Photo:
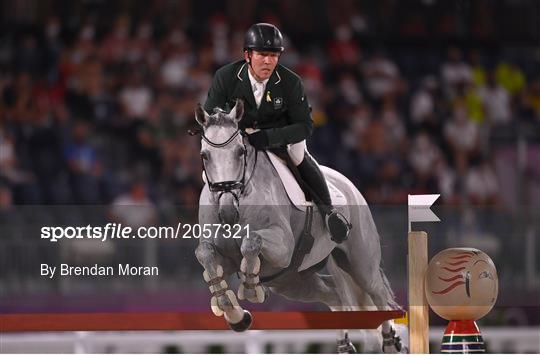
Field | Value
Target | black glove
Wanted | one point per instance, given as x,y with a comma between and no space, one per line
259,140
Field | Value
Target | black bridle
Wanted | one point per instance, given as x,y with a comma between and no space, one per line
232,185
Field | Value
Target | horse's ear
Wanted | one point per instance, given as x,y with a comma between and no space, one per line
200,115
238,111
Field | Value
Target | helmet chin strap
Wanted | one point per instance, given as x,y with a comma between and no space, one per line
251,66
249,60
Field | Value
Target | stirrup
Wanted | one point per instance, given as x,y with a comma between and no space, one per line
345,346
338,226
392,340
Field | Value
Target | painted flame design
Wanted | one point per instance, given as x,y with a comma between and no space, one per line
454,280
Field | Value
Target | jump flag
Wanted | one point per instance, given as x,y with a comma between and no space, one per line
419,208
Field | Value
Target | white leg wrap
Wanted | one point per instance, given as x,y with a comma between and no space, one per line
215,308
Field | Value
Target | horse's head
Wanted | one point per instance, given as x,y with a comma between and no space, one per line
224,158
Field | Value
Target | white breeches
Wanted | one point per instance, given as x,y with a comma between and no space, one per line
296,152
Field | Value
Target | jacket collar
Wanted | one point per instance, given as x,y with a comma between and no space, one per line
243,76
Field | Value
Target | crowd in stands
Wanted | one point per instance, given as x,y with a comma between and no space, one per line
94,113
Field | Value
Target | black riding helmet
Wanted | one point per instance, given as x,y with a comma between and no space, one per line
263,37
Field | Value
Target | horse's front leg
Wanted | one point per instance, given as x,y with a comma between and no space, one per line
257,243
223,300
250,267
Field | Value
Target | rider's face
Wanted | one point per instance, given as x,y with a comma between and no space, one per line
262,63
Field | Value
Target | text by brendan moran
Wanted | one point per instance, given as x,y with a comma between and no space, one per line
128,270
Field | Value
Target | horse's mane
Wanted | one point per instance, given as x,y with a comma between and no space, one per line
220,118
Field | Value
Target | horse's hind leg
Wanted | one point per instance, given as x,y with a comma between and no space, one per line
308,288
318,288
382,296
223,300
370,280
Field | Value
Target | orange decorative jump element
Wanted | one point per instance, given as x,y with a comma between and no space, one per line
461,286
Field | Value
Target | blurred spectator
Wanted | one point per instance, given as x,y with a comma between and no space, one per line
219,32
468,96
140,48
53,47
115,45
424,155
145,152
348,90
462,136
134,208
423,102
379,167
394,125
136,97
21,181
381,75
84,165
361,119
28,56
510,77
177,61
496,100
312,78
343,50
532,100
481,183
447,181
479,74
455,71
11,220
6,200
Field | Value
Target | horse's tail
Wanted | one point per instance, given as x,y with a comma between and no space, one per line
390,296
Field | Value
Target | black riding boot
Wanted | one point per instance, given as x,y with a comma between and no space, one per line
336,223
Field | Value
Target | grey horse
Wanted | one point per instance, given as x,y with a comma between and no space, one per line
253,228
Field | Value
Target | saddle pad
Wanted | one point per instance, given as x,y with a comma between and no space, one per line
295,192
322,243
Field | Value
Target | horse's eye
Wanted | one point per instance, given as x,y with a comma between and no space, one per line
241,151
204,155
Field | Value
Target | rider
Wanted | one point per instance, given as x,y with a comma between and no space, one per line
277,108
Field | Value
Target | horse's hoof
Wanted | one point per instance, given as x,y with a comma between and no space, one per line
244,324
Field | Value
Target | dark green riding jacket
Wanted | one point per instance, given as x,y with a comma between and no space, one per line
284,113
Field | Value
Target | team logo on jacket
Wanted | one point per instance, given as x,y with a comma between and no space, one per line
278,103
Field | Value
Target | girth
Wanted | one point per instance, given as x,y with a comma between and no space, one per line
301,249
